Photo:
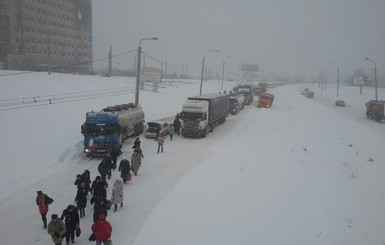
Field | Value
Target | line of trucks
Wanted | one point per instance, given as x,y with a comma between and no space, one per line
109,127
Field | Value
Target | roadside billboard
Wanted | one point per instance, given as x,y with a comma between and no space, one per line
250,67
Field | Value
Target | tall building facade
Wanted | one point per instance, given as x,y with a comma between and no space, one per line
46,35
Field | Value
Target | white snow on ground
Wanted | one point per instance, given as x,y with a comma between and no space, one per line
301,172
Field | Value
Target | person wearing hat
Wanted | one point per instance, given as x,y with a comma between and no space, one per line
57,229
71,218
43,201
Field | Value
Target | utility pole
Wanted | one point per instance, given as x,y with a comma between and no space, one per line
110,61
138,70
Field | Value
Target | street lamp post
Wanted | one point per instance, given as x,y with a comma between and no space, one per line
138,69
203,66
375,75
338,75
223,70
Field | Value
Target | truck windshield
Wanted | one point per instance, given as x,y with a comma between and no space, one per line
95,129
265,97
191,115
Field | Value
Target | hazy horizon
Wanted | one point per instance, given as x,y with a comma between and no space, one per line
283,37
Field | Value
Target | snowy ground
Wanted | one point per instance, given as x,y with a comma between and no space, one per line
301,172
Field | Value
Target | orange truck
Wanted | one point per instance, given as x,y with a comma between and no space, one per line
375,110
265,100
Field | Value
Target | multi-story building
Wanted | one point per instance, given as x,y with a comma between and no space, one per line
46,35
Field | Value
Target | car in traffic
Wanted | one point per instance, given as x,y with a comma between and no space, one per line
154,128
340,103
310,94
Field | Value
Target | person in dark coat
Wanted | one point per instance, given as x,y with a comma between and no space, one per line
98,187
114,153
101,206
176,124
43,201
87,178
136,143
81,199
105,166
71,220
124,168
136,160
79,180
57,229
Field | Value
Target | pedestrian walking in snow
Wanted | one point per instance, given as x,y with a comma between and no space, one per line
98,187
87,178
114,153
176,124
117,194
43,201
136,143
101,230
171,131
124,168
105,167
81,199
71,220
136,160
57,229
160,143
101,205
79,180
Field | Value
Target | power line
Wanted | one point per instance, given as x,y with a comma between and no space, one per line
66,66
46,100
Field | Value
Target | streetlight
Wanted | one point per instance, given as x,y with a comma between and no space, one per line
138,69
320,76
338,75
203,66
223,70
375,74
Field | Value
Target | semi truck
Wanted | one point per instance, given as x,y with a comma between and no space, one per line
375,110
200,114
108,128
248,91
237,102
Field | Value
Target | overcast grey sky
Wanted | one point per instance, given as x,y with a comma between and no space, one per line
282,36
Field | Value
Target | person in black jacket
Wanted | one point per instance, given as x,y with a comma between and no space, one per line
71,219
105,166
87,178
124,168
114,153
79,180
101,206
98,187
136,143
81,199
176,124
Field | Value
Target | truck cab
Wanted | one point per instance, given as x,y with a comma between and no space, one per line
265,100
375,110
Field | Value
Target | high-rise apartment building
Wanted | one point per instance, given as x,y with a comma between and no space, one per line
46,35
